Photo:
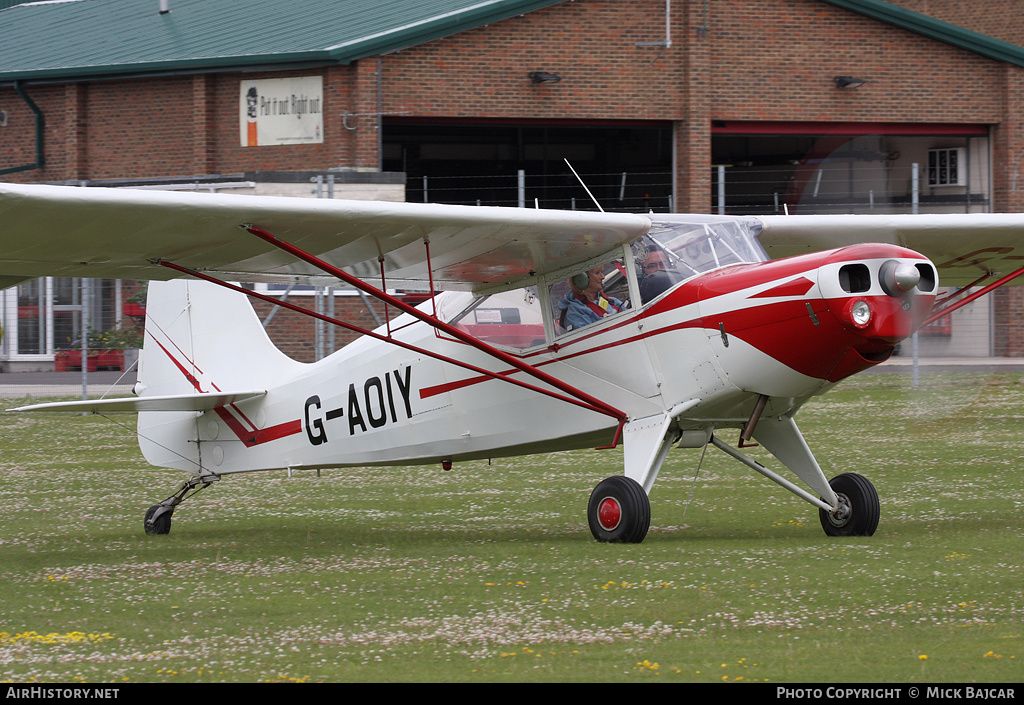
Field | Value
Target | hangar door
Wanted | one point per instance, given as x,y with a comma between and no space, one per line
775,167
627,166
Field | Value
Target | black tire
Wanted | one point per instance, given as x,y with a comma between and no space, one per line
859,507
619,511
162,524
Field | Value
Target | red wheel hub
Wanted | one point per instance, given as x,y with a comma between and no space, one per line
609,513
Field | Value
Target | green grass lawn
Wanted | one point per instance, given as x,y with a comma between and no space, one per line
489,572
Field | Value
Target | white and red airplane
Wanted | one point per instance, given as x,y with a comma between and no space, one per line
555,330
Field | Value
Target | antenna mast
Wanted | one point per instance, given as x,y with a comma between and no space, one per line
583,185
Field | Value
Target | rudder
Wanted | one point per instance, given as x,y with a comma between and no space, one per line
199,338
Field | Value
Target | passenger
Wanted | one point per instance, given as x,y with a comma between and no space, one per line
585,303
659,274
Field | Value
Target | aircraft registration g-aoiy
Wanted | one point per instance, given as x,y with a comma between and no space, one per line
553,330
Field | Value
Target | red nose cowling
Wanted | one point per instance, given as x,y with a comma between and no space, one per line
816,336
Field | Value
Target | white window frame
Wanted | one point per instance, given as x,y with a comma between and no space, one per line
940,171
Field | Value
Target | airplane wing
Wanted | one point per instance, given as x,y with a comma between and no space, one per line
963,246
172,402
124,233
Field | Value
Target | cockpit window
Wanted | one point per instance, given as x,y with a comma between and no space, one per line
675,250
511,319
589,296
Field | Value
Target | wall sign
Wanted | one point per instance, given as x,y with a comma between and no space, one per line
281,111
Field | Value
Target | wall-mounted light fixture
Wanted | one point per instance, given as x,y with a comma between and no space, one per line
543,77
843,82
3,118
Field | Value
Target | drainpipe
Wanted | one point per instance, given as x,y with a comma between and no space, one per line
40,130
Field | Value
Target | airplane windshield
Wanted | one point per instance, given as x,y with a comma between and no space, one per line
676,249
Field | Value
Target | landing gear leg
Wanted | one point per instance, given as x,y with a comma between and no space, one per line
858,510
158,517
619,511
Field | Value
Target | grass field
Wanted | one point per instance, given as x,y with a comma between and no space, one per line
489,573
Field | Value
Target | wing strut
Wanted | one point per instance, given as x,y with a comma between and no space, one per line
569,393
950,307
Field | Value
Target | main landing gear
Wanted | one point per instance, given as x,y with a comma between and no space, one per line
619,511
858,510
158,517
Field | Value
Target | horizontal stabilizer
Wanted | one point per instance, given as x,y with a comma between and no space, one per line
173,402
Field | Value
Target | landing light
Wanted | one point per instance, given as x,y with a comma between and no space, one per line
859,313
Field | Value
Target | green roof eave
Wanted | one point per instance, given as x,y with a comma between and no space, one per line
189,66
932,28
184,66
404,37
182,46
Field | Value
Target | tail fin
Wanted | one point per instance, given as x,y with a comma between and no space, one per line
200,339
203,338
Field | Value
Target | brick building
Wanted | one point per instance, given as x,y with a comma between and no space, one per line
740,106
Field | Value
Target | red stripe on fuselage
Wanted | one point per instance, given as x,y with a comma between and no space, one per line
256,436
249,436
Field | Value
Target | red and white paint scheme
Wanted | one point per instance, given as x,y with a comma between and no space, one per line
554,330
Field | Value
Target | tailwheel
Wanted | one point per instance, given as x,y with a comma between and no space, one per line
619,511
158,519
858,511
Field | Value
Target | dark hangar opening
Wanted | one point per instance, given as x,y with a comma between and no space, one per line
627,166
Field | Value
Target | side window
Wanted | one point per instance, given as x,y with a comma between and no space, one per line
511,319
589,295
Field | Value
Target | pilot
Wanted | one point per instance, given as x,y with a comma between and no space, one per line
585,303
659,273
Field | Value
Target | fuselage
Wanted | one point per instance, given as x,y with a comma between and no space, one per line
786,329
